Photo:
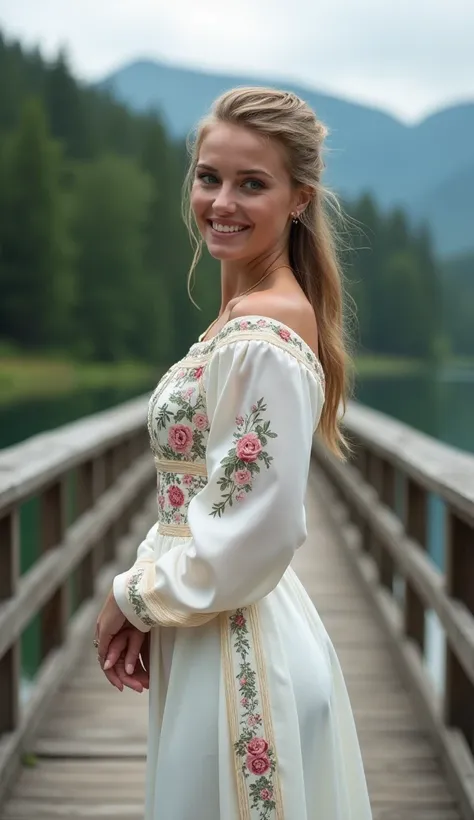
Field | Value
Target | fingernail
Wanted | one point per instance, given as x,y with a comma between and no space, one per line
107,665
129,669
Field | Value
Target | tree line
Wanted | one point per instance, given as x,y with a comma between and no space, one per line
93,252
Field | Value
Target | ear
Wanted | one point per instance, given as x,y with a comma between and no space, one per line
303,197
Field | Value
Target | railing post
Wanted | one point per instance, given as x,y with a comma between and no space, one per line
84,502
386,568
55,613
416,528
10,662
459,691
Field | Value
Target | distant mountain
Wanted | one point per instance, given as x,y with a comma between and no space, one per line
428,168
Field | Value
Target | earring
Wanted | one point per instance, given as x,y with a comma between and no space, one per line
295,217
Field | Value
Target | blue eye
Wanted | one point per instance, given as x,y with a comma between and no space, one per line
207,179
254,184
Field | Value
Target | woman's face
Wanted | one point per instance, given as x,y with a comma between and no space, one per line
242,195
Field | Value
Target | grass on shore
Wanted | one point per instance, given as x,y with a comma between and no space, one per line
27,377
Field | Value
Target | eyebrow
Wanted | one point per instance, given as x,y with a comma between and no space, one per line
247,172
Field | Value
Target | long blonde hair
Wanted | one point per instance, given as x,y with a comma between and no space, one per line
286,118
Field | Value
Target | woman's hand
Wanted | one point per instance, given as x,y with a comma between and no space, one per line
122,665
110,621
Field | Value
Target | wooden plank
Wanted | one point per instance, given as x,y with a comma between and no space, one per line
92,750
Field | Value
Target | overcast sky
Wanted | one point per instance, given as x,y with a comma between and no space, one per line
409,57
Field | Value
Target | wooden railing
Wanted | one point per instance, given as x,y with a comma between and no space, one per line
402,494
94,484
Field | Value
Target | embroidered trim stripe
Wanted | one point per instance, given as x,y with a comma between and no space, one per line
249,716
182,467
174,529
165,615
254,619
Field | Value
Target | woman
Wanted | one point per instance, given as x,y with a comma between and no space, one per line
249,715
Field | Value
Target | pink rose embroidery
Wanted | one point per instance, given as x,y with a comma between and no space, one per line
188,393
254,720
244,325
257,746
175,495
242,477
239,620
161,501
244,701
200,420
249,447
266,794
181,373
198,372
262,323
177,518
284,334
243,681
187,480
258,765
180,438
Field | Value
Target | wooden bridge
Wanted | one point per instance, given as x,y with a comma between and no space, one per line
71,746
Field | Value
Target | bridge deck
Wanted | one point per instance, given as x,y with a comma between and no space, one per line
91,752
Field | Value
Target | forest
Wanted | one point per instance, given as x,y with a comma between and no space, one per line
94,254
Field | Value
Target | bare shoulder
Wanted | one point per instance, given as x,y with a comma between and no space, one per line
297,314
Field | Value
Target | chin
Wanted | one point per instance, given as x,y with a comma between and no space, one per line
223,253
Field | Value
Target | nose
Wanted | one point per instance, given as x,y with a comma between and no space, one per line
224,201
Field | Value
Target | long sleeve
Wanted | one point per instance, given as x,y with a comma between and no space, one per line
263,405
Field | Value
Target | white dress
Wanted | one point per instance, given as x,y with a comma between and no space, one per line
249,713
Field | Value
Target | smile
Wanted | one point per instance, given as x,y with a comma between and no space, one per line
218,227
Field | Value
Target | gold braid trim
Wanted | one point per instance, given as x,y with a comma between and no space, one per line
182,467
165,615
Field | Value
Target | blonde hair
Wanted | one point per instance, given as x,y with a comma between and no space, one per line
286,118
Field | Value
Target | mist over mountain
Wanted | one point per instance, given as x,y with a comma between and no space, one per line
428,168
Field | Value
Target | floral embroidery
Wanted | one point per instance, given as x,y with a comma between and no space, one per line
182,416
135,598
241,463
256,757
259,324
175,491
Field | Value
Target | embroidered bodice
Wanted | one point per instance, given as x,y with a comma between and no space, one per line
179,425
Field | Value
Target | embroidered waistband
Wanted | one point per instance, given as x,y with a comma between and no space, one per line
174,529
186,467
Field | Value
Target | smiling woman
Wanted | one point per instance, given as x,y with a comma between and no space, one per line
248,707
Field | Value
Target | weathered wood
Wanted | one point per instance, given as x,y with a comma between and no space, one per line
459,686
450,744
61,663
416,525
91,750
38,584
9,660
26,468
437,467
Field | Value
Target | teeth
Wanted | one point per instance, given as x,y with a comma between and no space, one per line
227,228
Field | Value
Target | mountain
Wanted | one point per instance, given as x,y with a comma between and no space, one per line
427,168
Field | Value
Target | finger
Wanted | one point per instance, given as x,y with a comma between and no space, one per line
131,681
114,679
135,643
104,643
116,647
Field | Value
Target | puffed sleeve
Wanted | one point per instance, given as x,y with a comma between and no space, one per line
263,405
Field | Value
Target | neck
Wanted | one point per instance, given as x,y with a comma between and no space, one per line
237,277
